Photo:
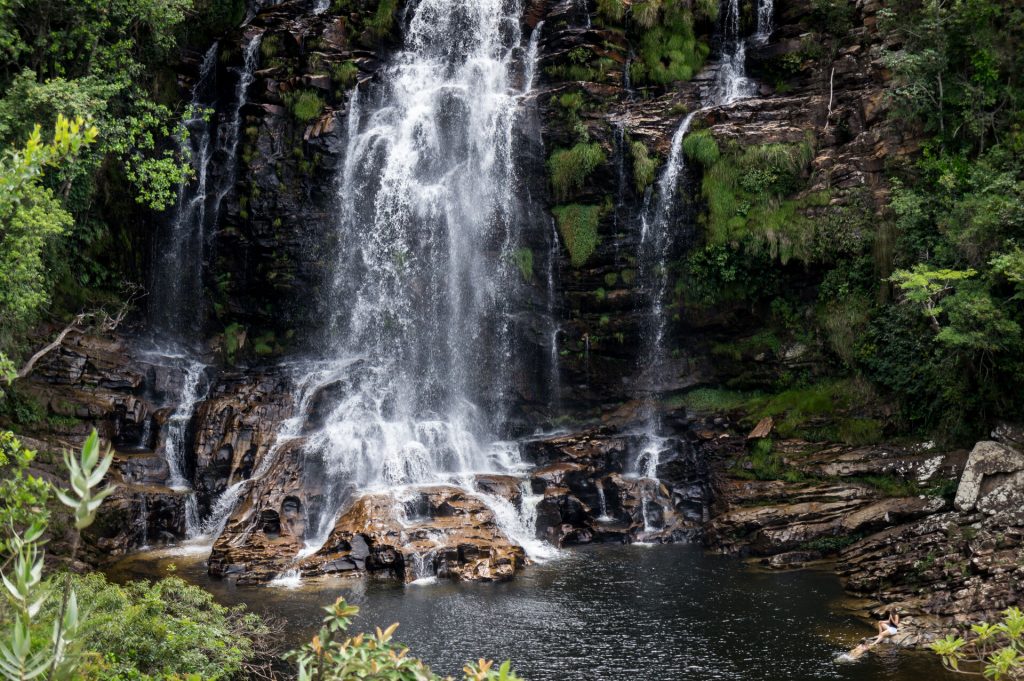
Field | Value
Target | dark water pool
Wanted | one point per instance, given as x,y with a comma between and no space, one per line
610,613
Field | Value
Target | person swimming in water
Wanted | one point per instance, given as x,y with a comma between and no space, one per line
888,627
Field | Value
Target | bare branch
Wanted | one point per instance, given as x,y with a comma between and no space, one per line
107,323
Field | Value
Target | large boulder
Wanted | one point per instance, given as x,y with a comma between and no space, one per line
993,481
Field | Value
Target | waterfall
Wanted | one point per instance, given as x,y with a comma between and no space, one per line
176,443
227,143
554,363
520,524
765,20
603,503
657,239
532,52
583,8
731,83
176,286
425,276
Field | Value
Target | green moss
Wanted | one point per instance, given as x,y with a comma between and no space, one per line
628,277
601,295
764,463
669,49
644,166
816,411
270,46
305,105
611,279
570,102
523,258
21,407
570,168
891,485
578,227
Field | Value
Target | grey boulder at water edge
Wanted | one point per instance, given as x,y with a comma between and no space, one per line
390,331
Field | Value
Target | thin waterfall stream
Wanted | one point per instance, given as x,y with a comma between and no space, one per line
660,232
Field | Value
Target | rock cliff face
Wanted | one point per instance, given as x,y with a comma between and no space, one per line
266,268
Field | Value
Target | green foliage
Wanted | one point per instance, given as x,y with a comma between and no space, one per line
833,17
305,105
383,19
957,68
570,168
345,73
615,10
746,190
333,655
701,147
669,49
891,485
815,411
31,217
23,497
55,651
578,227
761,342
995,651
523,258
162,630
645,166
832,544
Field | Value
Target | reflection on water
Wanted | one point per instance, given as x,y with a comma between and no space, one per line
610,613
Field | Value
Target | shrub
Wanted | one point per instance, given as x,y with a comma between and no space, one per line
345,73
570,168
166,629
578,227
644,167
305,105
383,19
996,651
614,10
701,147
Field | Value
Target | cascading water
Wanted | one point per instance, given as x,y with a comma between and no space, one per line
175,305
228,135
765,20
421,334
731,83
659,233
176,285
193,392
532,52
657,238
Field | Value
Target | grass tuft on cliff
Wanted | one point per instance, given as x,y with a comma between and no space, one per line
570,168
305,105
644,166
578,227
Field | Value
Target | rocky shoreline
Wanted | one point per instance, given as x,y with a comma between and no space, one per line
937,534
